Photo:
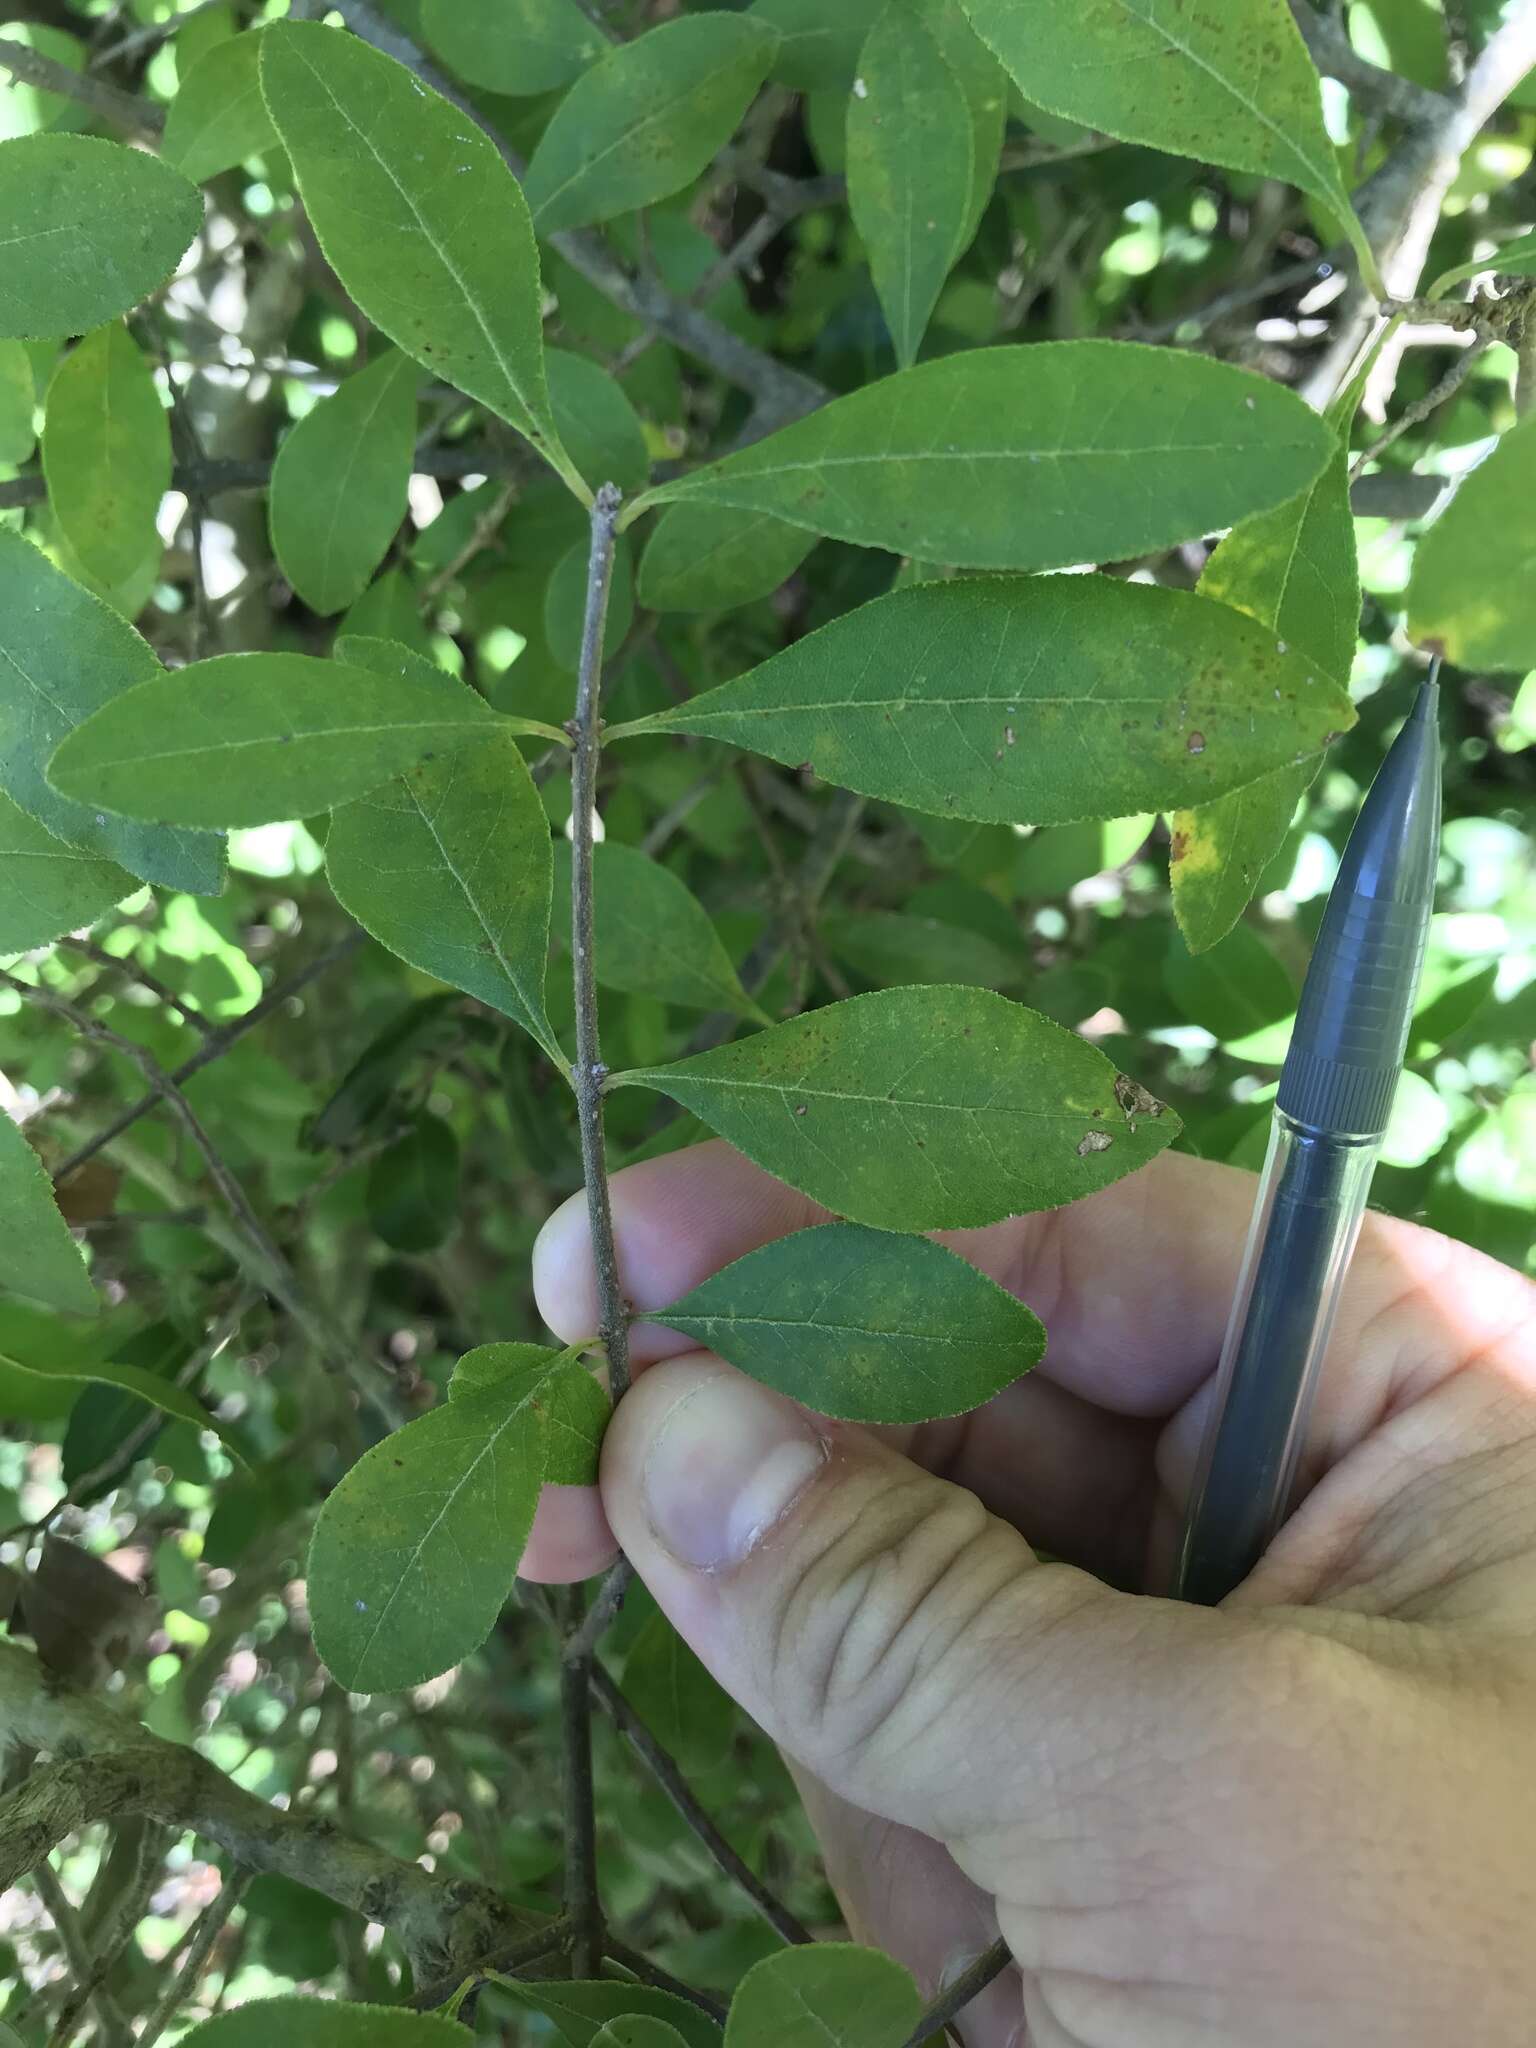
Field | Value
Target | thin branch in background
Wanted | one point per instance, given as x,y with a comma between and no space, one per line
147,1847
641,1966
953,2000
1422,408
164,1086
549,1942
77,1952
214,1048
481,535
668,1775
202,1935
125,109
113,963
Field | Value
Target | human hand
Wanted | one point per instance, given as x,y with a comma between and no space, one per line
1303,1820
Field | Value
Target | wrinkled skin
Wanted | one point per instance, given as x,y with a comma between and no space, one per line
1304,1820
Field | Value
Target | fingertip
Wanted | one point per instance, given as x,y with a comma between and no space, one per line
564,1282
570,1539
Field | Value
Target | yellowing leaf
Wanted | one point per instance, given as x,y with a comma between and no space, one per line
107,454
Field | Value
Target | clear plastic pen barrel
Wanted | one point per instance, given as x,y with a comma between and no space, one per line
1305,1222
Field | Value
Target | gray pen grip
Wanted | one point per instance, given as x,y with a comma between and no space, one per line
1305,1223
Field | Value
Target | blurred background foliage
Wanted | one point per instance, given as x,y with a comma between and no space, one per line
404,1144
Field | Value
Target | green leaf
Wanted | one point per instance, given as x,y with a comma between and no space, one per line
1233,989
1294,570
339,483
95,228
689,1714
38,1257
638,2030
909,168
48,887
450,865
1515,259
646,118
324,2023
418,216
218,117
415,1551
512,46
63,656
832,1993
707,558
17,402
986,88
654,937
574,1405
413,1187
891,946
1029,700
579,2011
1029,458
923,1108
600,428
1473,591
159,1392
863,1324
107,454
1224,81
243,739
818,45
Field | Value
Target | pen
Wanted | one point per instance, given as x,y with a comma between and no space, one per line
1331,1111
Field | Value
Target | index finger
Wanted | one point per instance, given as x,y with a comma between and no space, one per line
1133,1284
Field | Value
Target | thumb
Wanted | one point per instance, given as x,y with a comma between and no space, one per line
889,1633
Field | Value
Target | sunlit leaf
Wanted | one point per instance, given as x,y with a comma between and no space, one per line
339,483
1225,81
1294,570
1473,593
1030,701
94,228
64,655
106,454
241,739
863,1324
152,1387
1030,458
418,215
218,117
923,1108
450,864
574,1404
646,118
